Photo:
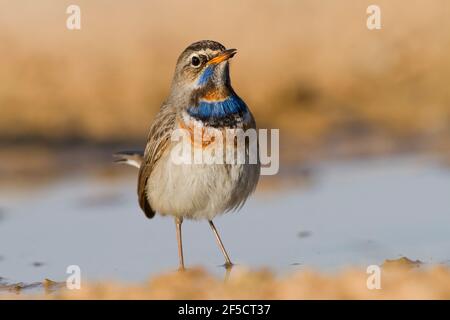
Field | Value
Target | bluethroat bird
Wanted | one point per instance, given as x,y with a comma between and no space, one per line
201,97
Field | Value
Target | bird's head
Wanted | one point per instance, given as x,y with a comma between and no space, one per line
203,69
201,87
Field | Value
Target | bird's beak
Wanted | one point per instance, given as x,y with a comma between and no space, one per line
222,56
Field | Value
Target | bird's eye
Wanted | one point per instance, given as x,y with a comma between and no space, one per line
195,61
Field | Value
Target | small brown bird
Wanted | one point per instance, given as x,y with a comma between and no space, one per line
201,97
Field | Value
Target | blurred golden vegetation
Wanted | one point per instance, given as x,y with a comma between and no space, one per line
397,282
310,68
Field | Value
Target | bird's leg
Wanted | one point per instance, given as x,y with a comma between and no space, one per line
228,263
178,222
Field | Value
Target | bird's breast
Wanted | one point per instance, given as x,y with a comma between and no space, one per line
203,135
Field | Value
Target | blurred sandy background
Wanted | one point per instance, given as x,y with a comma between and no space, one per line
310,68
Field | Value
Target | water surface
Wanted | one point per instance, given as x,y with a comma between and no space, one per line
355,213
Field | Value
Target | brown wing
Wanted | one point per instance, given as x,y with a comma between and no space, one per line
158,141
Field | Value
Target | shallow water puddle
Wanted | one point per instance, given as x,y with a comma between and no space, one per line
356,213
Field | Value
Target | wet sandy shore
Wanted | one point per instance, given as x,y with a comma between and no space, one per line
400,279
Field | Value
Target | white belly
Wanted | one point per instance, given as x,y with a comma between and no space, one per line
199,191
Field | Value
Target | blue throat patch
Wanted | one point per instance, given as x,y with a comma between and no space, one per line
206,74
211,110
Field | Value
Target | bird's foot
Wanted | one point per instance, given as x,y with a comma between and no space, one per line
181,269
228,265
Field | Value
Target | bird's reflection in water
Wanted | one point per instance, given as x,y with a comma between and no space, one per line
228,268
